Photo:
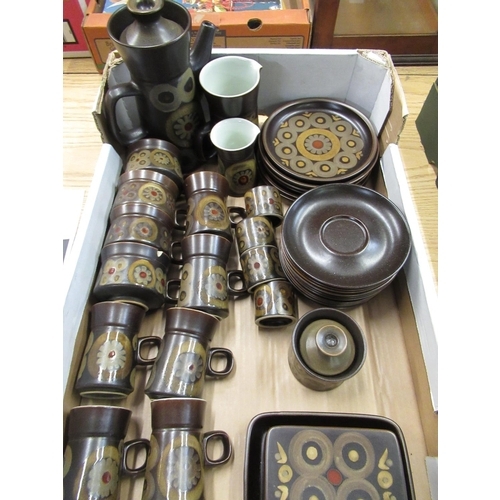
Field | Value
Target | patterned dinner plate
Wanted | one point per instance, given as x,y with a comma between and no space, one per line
320,140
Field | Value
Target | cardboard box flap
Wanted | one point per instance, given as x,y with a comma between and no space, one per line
423,294
80,265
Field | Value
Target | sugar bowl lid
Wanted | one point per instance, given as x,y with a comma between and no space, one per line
327,347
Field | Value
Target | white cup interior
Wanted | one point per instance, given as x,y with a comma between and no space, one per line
230,76
233,134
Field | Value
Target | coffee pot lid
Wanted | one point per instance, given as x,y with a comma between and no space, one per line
149,27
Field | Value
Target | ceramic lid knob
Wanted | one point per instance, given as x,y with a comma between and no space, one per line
327,347
149,28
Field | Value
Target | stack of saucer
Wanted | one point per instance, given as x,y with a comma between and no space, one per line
308,143
341,244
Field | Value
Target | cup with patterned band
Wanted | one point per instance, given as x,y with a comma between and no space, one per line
266,202
203,284
206,209
133,273
254,232
96,453
275,304
141,223
180,451
149,187
261,265
155,154
108,366
185,358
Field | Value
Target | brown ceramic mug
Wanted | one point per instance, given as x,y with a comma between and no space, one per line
203,283
275,304
155,154
141,223
108,366
179,454
264,201
149,187
185,357
254,232
206,210
95,455
134,273
261,265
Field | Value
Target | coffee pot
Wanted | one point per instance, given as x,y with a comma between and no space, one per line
153,37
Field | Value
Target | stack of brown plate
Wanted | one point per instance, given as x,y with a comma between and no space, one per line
341,244
312,142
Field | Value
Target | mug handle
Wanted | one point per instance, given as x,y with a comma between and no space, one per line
127,448
180,218
140,360
227,448
223,353
235,276
176,256
111,98
236,214
175,282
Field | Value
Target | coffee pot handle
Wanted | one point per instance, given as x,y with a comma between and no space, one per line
111,99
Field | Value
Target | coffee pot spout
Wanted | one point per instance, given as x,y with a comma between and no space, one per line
202,46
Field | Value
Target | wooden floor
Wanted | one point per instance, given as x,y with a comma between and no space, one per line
82,142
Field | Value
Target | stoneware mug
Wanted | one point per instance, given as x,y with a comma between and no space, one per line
254,232
234,141
265,201
155,154
179,454
108,366
149,187
96,455
203,284
185,357
141,223
260,265
275,304
206,205
133,273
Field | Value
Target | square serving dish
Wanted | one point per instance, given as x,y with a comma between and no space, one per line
326,456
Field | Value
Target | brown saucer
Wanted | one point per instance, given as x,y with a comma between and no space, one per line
345,237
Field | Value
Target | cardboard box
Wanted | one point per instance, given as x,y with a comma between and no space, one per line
74,42
399,377
287,28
